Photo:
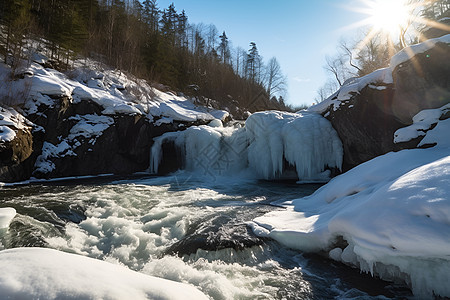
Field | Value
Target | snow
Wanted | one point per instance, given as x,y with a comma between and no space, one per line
10,122
305,140
393,211
43,162
89,126
115,91
6,134
38,273
375,80
6,215
408,52
422,122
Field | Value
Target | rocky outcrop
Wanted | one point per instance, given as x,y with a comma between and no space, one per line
422,82
19,141
79,140
367,120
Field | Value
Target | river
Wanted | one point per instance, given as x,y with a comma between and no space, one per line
184,229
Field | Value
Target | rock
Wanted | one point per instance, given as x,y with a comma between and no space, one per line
366,123
122,146
436,31
365,126
422,82
17,155
216,234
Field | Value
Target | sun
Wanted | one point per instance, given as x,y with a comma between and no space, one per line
388,16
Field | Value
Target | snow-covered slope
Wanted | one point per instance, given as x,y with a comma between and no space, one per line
305,140
113,90
38,273
393,212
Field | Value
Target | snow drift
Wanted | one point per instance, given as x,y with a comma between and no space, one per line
268,141
37,273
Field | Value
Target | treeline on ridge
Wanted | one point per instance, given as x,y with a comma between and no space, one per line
158,45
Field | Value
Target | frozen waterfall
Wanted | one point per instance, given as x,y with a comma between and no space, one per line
267,145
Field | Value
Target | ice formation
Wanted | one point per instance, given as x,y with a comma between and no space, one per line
38,273
393,211
6,215
305,140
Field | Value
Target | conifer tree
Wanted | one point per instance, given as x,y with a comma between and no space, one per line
224,48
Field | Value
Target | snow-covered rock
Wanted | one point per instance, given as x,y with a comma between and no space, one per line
422,123
38,273
16,145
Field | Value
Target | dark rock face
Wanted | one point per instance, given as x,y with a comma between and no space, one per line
367,128
422,82
434,32
17,156
367,122
122,148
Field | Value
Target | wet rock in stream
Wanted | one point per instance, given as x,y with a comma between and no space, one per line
216,234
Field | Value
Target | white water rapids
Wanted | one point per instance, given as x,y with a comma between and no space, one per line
140,222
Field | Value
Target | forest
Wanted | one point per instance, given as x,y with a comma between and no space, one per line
159,45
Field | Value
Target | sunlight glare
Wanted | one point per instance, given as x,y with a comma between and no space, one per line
388,15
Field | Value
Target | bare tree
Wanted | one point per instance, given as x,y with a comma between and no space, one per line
275,80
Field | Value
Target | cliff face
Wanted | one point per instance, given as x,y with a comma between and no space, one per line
368,111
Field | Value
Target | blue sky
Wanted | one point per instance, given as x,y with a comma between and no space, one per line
299,33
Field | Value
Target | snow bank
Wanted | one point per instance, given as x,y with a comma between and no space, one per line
305,140
393,211
6,215
422,122
37,273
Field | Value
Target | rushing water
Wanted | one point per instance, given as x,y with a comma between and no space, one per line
188,230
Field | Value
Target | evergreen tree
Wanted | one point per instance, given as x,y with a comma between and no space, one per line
224,49
16,17
253,64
